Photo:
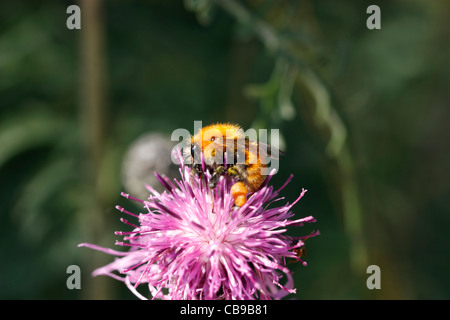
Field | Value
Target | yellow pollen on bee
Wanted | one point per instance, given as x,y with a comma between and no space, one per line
239,193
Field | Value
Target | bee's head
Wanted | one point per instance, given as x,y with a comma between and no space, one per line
211,141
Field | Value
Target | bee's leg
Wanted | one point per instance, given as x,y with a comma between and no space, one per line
215,176
196,169
195,172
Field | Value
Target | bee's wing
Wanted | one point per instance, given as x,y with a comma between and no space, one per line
264,149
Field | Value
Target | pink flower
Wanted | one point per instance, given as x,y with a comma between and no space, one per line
193,243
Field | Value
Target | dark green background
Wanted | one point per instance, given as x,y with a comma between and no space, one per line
168,63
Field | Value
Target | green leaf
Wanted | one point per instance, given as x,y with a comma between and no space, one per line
21,132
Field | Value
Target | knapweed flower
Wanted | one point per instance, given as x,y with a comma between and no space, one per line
192,242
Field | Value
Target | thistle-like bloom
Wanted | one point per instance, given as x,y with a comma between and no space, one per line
193,243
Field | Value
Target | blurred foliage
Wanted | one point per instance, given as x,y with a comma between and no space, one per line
363,116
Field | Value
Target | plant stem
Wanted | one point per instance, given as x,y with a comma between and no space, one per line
93,123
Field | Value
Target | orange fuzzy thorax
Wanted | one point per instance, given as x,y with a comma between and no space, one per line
217,131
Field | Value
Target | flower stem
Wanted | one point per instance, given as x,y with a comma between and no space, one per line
93,123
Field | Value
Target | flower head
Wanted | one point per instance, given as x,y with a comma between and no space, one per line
192,242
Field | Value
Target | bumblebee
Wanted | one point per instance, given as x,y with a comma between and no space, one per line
225,150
